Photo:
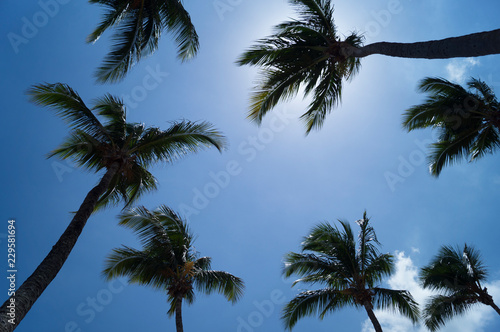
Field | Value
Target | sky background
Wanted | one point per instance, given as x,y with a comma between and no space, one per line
282,182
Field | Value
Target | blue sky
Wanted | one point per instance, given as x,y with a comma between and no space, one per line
253,203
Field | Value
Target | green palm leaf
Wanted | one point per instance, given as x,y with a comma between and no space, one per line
443,308
400,300
221,282
69,106
309,303
467,120
139,24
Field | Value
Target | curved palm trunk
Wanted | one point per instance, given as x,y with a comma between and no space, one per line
473,45
494,306
371,315
33,287
486,298
178,315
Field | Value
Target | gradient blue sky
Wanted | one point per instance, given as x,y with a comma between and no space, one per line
281,183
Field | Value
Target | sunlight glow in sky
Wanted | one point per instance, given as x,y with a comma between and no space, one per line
253,203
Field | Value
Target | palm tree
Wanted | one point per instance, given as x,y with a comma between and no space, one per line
124,151
139,26
468,121
458,274
350,273
308,52
168,261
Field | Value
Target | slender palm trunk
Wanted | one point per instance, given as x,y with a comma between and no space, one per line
178,315
473,45
486,298
494,306
26,295
371,315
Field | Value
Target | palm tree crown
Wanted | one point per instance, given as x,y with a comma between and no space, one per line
350,273
468,121
139,26
168,261
302,53
133,147
458,274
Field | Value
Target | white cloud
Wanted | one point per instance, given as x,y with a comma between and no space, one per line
406,277
457,69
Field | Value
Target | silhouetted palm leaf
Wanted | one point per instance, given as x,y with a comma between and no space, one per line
468,121
139,24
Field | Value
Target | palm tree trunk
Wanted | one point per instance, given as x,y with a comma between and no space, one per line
178,315
371,315
26,295
473,45
494,306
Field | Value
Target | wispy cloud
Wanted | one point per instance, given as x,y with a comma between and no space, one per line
458,69
406,277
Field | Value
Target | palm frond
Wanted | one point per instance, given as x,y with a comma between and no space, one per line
378,267
171,144
178,22
136,36
367,251
138,266
486,92
327,94
82,148
399,300
486,142
316,13
443,308
138,26
316,269
448,152
465,120
157,226
127,186
208,282
69,106
115,11
308,303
